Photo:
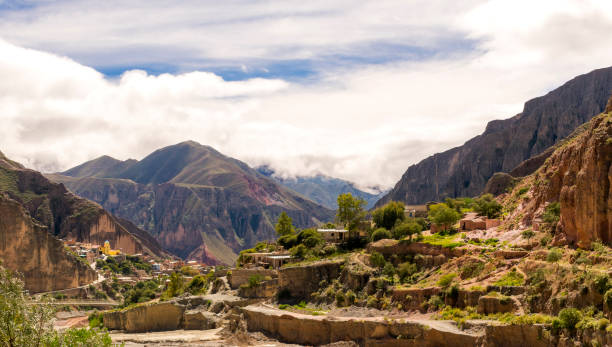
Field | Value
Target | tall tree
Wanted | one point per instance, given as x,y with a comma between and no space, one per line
443,216
388,215
284,225
350,211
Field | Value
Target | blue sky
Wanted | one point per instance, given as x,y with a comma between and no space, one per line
358,90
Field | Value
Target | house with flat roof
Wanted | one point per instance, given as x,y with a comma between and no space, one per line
334,235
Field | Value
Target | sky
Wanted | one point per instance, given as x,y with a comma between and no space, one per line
358,90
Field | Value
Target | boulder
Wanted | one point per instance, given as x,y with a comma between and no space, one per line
200,320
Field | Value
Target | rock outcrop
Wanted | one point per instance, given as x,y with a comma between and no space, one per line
148,317
319,330
578,175
29,248
300,281
198,203
464,170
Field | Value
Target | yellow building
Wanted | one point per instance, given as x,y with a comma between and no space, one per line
106,249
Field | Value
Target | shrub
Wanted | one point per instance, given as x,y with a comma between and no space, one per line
288,241
197,285
608,299
554,255
512,278
299,251
552,213
601,283
545,240
381,233
340,299
406,270
528,234
388,270
372,302
569,317
377,259
446,280
472,270
487,206
351,297
255,280
435,302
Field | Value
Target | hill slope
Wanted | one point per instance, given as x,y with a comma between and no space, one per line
323,190
464,170
197,202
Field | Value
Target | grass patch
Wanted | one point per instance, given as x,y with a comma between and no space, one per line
512,278
447,241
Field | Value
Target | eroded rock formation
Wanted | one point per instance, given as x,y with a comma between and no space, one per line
28,247
578,175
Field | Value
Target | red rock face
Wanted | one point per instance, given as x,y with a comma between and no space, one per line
579,176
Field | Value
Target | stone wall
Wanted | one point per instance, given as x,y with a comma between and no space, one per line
241,276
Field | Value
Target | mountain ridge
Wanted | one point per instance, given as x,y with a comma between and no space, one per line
188,195
545,120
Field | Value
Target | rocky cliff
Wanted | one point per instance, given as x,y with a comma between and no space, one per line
28,247
578,175
464,170
197,202
65,215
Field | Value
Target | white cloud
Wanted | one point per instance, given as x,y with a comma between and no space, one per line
365,123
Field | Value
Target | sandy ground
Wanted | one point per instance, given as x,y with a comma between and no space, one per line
208,338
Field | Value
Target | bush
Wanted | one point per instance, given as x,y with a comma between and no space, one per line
388,270
372,302
446,280
255,280
377,259
299,251
552,213
288,241
406,270
487,206
471,270
569,317
442,215
512,278
608,299
197,285
381,233
601,283
340,299
351,297
435,302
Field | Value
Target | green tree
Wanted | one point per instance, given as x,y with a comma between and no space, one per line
25,325
528,234
406,229
443,216
486,205
175,287
283,226
350,211
387,216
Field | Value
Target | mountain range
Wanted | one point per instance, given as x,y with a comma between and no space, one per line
465,170
198,203
323,190
36,213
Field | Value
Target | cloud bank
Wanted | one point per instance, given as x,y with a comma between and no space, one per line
363,120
